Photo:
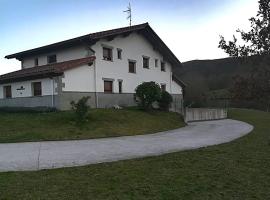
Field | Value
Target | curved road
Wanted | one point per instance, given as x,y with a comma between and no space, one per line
47,155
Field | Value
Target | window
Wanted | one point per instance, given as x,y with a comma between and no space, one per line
131,66
36,88
119,53
7,91
145,62
156,62
163,87
36,61
162,65
51,59
107,53
108,86
120,86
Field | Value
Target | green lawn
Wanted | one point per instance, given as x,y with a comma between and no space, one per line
237,170
20,127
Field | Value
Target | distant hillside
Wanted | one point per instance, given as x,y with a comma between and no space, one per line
208,76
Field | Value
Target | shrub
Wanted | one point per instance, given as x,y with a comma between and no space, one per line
81,110
147,93
165,101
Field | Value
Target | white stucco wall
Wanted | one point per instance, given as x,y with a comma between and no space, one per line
80,79
46,84
134,47
176,88
62,55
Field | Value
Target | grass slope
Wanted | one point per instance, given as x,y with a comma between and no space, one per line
236,170
19,127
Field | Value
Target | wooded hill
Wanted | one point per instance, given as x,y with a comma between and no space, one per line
213,77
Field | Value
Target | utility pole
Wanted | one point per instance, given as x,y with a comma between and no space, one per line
128,11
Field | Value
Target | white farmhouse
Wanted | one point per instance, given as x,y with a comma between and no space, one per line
107,66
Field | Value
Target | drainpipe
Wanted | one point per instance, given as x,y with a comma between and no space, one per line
171,82
52,92
95,79
171,90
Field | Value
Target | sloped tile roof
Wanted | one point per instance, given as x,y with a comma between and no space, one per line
50,70
90,39
74,41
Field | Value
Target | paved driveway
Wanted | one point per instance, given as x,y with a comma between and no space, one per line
47,155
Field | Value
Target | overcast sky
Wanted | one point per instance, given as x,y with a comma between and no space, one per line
190,28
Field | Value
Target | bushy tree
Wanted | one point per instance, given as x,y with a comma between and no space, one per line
81,109
256,46
147,93
165,101
254,87
257,40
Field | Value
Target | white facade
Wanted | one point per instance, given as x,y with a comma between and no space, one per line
80,79
176,88
91,78
134,47
62,55
24,89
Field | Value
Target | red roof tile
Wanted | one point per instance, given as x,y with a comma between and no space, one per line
43,71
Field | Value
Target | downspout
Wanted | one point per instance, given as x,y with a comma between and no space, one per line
52,92
171,82
95,79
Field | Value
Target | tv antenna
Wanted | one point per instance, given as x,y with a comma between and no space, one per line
128,11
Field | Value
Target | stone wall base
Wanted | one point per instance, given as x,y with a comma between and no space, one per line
97,100
31,102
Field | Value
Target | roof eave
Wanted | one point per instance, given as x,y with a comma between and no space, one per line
30,77
179,81
44,71
171,57
44,49
85,39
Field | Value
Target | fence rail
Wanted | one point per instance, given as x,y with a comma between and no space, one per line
203,114
226,103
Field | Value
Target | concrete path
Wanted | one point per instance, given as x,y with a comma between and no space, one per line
47,155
